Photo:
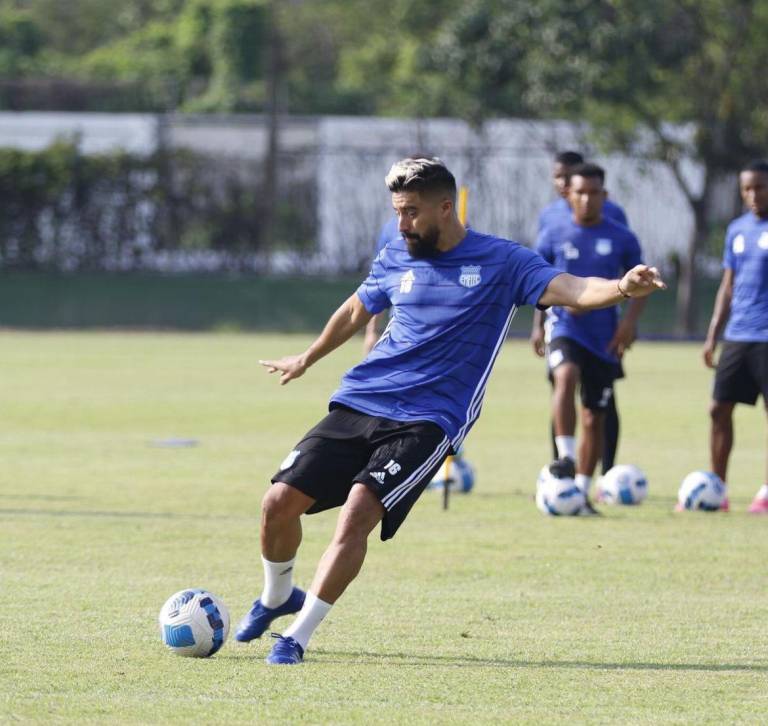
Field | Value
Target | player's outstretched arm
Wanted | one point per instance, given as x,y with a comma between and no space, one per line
342,325
719,318
590,293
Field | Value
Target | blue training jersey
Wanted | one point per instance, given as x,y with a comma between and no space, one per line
450,315
559,210
607,249
746,253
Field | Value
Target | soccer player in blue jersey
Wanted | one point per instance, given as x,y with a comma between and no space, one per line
742,301
410,403
584,350
552,215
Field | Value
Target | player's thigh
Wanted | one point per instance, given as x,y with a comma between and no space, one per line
597,380
734,378
405,460
565,362
757,361
324,463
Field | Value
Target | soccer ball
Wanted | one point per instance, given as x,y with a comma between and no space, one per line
557,496
623,484
194,623
462,476
701,490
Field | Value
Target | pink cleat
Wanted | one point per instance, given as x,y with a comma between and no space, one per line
725,506
759,506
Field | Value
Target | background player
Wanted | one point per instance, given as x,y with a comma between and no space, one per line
742,300
584,349
552,215
413,400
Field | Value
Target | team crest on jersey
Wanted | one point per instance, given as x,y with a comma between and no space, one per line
738,244
406,281
470,275
762,243
603,246
290,460
570,252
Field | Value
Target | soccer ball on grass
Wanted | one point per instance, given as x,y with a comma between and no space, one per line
194,623
461,473
557,497
701,490
623,484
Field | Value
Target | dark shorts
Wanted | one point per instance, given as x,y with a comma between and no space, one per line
394,459
596,374
742,373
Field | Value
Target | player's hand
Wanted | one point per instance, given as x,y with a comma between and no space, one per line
708,353
537,341
641,281
625,335
290,367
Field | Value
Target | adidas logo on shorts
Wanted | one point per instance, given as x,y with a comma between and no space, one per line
378,476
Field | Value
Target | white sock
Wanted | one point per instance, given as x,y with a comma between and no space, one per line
278,582
307,620
583,482
762,493
566,446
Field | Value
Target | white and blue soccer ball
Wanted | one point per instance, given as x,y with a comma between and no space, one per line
461,474
558,497
194,623
623,484
701,490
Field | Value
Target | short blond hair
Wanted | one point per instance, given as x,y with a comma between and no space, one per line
421,175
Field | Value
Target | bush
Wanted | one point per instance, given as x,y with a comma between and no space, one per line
67,211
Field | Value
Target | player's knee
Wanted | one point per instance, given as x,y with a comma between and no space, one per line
362,512
281,502
566,377
720,412
592,419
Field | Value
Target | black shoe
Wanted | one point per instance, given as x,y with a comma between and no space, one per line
588,510
564,468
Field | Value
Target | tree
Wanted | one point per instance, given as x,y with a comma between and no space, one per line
672,80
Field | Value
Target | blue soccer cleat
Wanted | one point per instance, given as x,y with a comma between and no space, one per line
285,652
260,617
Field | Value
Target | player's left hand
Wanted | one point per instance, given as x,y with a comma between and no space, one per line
625,335
641,281
290,367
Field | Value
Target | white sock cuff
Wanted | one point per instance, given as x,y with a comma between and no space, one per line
583,482
269,563
566,446
310,616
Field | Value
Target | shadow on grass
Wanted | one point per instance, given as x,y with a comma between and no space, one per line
95,513
43,497
361,657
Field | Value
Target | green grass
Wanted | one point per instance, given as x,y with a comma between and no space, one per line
198,302
486,613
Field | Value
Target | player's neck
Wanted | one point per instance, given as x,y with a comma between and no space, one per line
452,236
588,222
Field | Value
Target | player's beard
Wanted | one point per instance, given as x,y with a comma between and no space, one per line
423,245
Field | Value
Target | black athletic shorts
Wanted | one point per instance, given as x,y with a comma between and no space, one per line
742,373
394,459
596,374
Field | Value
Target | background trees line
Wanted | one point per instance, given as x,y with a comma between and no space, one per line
671,80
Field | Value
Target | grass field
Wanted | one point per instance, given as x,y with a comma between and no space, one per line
487,613
226,303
